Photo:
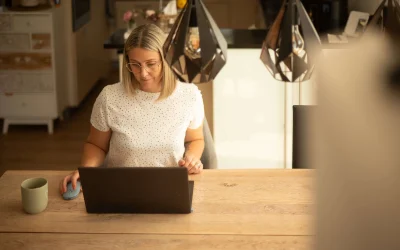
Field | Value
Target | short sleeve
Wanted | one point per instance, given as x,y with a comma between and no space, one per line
99,117
198,110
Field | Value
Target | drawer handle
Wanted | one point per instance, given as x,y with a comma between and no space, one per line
8,94
27,59
28,23
39,44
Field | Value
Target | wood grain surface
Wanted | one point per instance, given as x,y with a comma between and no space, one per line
226,202
41,241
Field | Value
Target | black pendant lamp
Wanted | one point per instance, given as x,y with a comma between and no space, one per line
291,44
195,48
387,19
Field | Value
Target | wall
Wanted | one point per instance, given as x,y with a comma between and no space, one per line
237,14
364,5
84,59
249,113
93,61
62,44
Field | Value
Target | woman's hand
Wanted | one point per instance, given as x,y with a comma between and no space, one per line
73,177
190,162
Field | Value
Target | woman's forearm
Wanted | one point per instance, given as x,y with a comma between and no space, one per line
93,156
195,148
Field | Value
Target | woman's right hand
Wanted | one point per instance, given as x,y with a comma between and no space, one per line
72,177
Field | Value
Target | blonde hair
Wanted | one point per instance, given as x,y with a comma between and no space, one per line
150,37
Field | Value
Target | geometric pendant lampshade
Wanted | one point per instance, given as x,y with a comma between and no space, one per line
387,19
291,45
195,48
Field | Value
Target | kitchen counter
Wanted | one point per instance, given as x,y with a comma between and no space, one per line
235,38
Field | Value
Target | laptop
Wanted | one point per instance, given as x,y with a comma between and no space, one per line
149,190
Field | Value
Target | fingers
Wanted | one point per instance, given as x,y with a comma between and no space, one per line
63,184
197,168
74,178
188,160
189,163
194,166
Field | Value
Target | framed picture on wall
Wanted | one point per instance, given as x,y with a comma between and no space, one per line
80,13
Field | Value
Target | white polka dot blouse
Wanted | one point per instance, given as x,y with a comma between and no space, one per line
146,133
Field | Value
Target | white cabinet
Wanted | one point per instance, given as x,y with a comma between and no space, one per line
28,89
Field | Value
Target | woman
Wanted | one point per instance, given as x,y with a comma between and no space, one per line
150,119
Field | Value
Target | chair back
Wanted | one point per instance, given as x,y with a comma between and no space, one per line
209,157
301,124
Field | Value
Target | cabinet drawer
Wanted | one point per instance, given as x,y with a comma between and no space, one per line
14,42
41,41
33,83
25,61
9,83
26,83
28,105
29,23
5,22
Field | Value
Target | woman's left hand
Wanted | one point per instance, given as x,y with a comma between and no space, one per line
190,162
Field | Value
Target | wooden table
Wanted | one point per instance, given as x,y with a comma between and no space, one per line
246,209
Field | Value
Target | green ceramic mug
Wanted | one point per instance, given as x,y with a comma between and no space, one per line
34,193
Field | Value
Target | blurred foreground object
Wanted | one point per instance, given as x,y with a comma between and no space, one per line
355,148
386,22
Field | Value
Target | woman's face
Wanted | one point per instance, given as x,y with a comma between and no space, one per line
146,66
